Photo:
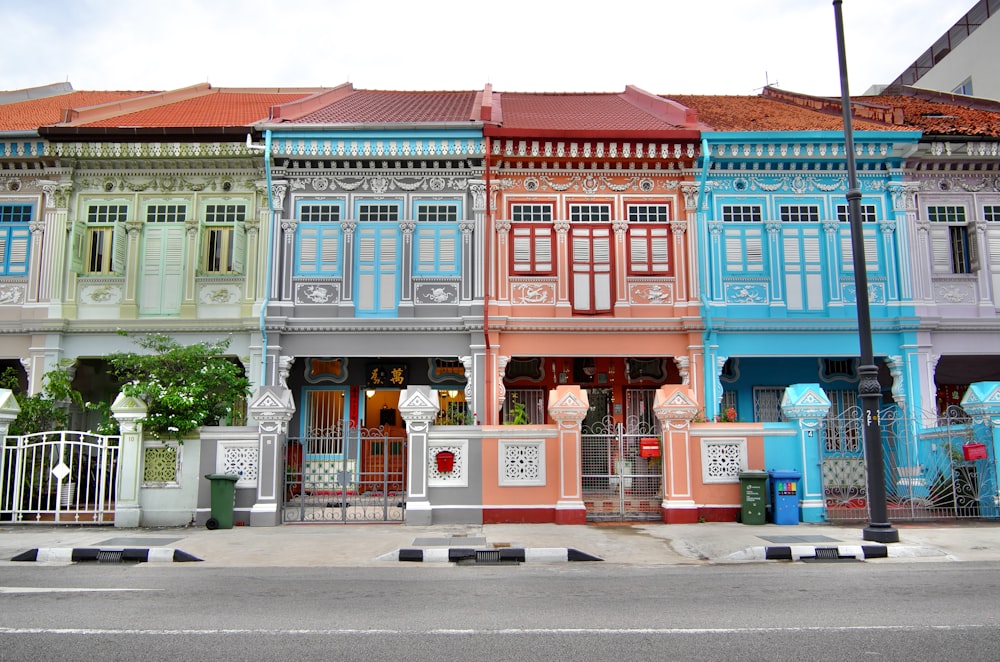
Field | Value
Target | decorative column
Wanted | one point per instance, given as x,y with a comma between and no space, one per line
272,408
418,408
675,407
622,300
808,405
129,412
982,402
192,258
129,308
473,252
568,406
406,259
564,308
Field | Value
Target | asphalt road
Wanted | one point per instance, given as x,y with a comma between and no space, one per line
773,611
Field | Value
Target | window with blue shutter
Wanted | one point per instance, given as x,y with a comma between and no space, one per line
15,239
437,239
318,240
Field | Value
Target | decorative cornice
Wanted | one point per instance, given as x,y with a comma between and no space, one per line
364,148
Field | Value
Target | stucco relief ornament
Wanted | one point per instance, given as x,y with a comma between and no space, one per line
653,294
746,294
436,183
320,183
533,293
646,185
379,185
531,184
11,294
316,293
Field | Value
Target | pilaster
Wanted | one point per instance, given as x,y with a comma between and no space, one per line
418,408
568,407
129,412
272,407
675,407
807,405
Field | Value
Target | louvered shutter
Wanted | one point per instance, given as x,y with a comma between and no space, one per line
20,242
239,247
78,247
119,252
940,238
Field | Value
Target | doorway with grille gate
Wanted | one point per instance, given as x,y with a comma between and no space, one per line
341,471
621,473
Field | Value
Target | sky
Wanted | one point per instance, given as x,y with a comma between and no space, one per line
661,46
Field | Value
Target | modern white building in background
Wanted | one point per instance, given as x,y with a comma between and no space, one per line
963,59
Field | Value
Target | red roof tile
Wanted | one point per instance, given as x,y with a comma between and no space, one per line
34,113
378,106
584,114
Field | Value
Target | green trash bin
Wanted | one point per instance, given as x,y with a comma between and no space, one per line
223,500
753,497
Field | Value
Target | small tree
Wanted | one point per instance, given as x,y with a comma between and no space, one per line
184,387
49,409
39,412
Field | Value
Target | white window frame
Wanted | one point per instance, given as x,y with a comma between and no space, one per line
224,236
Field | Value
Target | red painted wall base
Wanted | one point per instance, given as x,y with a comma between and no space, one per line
519,515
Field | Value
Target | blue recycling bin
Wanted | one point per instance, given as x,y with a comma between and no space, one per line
784,496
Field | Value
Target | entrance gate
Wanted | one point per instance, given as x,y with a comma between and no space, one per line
944,471
363,482
59,477
619,483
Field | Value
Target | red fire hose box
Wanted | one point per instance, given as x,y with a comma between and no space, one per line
445,461
649,447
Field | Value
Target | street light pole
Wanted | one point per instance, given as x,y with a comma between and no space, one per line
879,529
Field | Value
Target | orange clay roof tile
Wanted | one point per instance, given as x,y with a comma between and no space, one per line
31,114
939,118
751,113
220,108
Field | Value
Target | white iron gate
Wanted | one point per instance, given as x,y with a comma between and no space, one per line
59,477
620,480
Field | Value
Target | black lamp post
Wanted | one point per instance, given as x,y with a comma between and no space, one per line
879,529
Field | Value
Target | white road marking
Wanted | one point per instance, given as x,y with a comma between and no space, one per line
42,589
498,631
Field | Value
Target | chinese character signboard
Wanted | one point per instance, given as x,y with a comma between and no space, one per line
388,375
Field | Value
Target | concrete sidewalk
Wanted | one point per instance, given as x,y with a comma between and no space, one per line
311,545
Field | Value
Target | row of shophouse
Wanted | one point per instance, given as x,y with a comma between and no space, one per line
491,306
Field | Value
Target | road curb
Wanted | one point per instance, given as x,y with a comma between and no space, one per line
502,556
103,555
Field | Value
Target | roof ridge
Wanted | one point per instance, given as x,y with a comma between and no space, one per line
859,109
78,116
293,110
665,110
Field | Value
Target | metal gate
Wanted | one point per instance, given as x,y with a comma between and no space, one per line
620,481
364,481
59,477
943,470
